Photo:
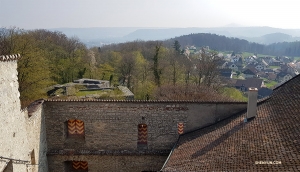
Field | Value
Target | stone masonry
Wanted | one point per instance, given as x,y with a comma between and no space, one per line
111,130
13,136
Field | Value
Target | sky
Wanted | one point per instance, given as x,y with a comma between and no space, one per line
46,14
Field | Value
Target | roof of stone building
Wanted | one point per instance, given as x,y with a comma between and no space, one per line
34,106
145,101
273,136
9,57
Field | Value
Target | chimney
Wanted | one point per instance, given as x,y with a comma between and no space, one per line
252,103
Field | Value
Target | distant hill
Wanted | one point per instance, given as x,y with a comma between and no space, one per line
272,38
222,43
216,42
238,32
98,36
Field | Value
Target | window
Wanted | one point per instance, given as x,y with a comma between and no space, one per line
76,166
75,128
142,135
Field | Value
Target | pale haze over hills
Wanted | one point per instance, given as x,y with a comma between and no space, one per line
115,20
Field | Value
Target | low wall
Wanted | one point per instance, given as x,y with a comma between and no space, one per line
110,163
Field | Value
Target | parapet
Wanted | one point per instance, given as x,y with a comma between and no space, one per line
5,58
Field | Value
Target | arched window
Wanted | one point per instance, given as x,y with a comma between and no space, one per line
75,128
142,134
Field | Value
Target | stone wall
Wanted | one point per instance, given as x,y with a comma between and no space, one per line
37,137
110,163
114,125
111,127
13,136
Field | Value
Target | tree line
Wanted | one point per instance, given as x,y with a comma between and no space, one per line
150,69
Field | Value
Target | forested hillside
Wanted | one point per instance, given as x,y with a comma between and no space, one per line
222,43
47,58
150,69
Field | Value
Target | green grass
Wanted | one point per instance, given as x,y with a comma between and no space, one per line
273,67
84,93
264,55
234,94
247,54
116,93
296,58
269,84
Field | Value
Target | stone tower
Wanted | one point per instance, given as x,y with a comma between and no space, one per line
14,150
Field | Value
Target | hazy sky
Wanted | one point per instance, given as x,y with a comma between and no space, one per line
33,14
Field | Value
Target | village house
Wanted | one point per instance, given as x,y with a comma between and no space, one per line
283,77
244,85
274,62
250,73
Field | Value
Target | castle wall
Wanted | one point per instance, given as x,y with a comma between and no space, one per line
110,163
13,136
36,135
111,128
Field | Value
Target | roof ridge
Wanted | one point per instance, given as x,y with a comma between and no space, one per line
10,57
141,101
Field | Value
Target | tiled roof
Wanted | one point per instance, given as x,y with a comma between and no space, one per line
249,82
9,57
225,72
249,72
34,106
273,136
145,101
264,92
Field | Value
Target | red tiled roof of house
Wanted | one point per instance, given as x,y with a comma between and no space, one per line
273,136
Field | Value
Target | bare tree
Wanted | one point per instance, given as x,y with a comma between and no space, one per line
206,69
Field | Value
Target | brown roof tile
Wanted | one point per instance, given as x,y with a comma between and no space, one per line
233,145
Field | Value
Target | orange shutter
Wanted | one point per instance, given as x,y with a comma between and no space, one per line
142,134
80,165
75,127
